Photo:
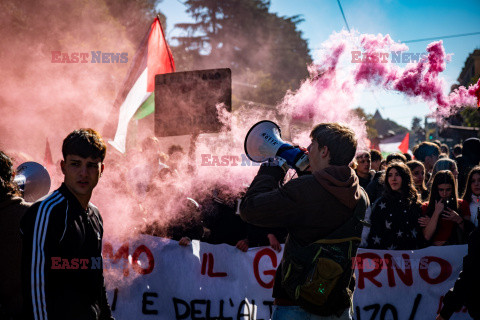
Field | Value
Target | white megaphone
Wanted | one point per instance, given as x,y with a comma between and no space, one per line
264,141
33,180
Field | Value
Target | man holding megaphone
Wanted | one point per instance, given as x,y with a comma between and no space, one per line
322,211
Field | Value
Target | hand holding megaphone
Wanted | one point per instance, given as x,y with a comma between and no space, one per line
264,141
294,156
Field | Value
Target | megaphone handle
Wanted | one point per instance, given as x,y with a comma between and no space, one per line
282,163
303,163
289,153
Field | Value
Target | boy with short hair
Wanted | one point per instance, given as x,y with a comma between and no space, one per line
327,203
362,170
61,259
428,153
376,159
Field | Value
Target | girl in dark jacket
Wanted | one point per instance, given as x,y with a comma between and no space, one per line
394,219
441,222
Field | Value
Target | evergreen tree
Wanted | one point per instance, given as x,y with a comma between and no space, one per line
260,47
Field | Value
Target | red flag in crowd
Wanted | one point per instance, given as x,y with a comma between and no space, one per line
47,159
403,147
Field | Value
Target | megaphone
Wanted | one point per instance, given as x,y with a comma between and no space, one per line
33,180
264,141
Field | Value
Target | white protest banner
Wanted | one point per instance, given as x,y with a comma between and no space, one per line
166,281
405,284
155,278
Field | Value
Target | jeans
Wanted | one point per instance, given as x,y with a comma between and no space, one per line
298,313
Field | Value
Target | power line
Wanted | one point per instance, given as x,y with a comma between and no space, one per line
343,14
378,102
427,39
443,37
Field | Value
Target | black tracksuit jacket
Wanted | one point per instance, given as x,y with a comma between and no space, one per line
62,272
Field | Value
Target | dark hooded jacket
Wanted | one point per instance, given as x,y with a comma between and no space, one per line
12,209
310,207
465,291
470,158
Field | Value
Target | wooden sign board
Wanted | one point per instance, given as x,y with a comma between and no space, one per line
185,102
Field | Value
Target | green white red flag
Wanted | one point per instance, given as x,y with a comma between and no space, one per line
136,97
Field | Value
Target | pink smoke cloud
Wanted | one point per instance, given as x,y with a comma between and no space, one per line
130,195
371,67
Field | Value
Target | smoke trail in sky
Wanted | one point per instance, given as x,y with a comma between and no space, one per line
351,62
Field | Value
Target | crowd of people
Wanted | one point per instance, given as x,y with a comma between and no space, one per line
414,204
432,199
421,202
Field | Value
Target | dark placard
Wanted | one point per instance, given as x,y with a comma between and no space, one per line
185,102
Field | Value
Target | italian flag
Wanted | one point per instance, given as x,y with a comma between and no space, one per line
136,97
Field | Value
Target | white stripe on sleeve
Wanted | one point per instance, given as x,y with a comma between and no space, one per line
39,312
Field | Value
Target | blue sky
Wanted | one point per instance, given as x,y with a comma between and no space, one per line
403,20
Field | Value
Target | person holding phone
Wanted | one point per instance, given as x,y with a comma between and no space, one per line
441,222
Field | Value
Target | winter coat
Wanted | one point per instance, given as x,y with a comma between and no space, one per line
11,212
465,291
311,207
394,225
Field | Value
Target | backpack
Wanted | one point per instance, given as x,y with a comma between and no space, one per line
317,276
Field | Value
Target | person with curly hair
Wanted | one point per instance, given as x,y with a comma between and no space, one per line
394,218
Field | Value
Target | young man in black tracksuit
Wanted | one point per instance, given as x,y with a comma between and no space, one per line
62,272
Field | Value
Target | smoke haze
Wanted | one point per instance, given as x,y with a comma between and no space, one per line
40,99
